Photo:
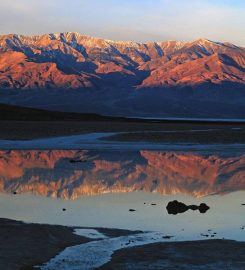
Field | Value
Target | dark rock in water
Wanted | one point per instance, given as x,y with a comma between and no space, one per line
203,208
15,193
176,207
153,204
132,210
243,204
63,209
76,160
194,207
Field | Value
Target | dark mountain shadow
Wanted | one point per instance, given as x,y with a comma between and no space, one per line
67,63
230,62
205,100
120,79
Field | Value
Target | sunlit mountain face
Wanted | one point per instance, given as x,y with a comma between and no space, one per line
201,78
71,60
72,174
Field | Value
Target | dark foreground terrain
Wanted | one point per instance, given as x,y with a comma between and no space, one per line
134,131
190,133
17,123
23,246
195,255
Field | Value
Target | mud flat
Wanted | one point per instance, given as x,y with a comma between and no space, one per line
24,245
209,254
168,131
20,123
189,134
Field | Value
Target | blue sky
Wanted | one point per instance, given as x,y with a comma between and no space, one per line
138,20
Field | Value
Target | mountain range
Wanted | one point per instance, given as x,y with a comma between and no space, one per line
73,72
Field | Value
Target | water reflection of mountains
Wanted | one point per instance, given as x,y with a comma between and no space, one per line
71,174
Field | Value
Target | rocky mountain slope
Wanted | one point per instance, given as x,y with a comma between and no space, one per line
70,60
120,70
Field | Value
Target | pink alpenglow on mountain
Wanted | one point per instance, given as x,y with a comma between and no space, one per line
167,173
71,60
72,72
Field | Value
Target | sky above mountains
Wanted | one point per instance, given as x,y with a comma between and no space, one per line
137,20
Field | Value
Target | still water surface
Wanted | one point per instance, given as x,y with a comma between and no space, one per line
97,189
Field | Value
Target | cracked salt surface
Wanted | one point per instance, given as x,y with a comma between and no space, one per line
96,253
90,233
92,141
